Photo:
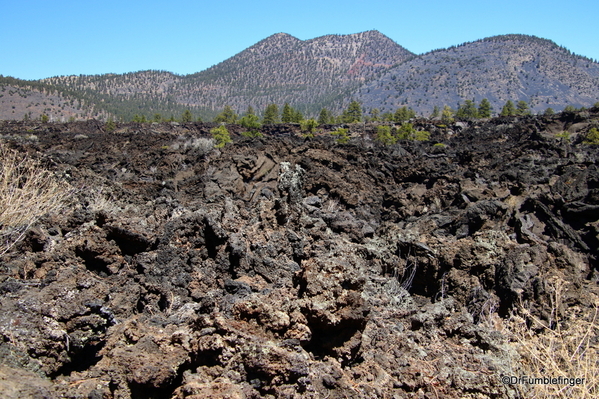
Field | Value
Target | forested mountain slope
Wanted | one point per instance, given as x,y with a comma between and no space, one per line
328,71
500,68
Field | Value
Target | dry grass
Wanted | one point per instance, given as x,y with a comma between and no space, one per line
568,350
27,192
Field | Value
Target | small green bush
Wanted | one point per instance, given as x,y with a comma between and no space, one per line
563,136
309,125
421,135
383,135
252,134
221,136
592,137
342,136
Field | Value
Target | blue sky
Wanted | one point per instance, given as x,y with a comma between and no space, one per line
40,39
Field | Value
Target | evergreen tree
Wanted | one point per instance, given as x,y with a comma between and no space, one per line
298,117
309,126
484,109
250,111
250,121
383,135
353,113
271,114
549,112
508,109
435,113
323,117
186,117
403,114
522,108
110,126
288,113
467,111
447,115
375,115
388,117
227,116
221,135
570,108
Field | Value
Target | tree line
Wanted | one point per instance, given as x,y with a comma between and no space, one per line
353,113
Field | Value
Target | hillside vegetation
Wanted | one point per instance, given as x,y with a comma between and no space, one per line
325,72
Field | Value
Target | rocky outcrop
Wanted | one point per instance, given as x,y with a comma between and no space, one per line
286,267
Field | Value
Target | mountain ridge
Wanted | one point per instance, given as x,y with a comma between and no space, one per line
330,71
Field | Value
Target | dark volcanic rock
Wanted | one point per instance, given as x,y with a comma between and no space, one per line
285,267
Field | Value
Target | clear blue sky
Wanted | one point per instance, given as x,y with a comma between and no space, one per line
45,38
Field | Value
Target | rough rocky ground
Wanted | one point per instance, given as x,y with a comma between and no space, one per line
288,267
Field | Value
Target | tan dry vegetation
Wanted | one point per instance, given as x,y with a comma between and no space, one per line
27,192
565,347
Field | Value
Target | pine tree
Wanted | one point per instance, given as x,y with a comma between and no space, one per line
250,111
375,114
250,121
403,114
353,113
467,111
508,109
522,108
287,115
186,117
484,109
298,117
221,135
325,117
447,115
271,114
110,126
227,116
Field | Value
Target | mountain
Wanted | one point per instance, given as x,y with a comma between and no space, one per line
281,68
499,68
327,71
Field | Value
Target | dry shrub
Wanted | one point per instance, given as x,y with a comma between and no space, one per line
569,349
27,192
